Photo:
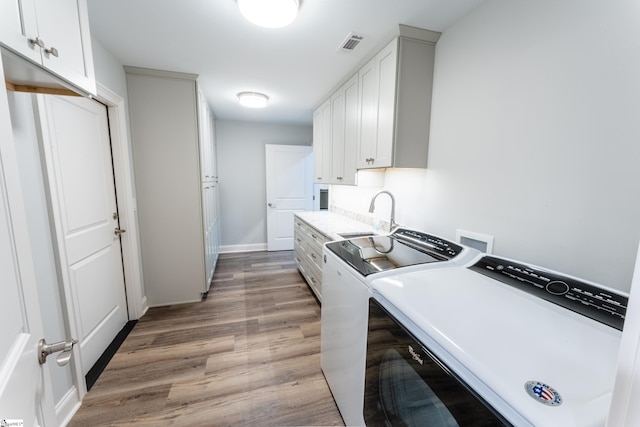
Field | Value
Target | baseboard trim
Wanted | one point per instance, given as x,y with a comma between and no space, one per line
68,406
95,371
254,247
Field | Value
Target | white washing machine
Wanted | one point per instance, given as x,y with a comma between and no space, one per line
496,343
349,266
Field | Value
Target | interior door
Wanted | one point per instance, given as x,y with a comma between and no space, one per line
289,189
76,144
25,388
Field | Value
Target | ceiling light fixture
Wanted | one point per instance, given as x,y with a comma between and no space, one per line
269,13
253,99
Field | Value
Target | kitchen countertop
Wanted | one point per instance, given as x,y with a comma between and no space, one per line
331,223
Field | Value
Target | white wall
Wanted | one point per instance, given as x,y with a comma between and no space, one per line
241,171
535,136
109,71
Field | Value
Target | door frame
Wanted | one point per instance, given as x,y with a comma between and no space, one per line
121,149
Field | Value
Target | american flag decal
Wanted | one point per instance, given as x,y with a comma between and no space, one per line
543,393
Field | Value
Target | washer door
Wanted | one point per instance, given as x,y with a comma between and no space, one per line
406,385
405,399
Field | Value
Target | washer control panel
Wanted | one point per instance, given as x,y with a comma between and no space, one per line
596,303
444,247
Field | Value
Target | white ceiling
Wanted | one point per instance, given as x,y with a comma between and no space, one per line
295,66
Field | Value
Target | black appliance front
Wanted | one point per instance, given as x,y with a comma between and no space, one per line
402,248
406,385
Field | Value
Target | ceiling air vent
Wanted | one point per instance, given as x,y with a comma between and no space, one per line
351,42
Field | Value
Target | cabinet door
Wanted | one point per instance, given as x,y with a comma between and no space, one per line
386,63
337,137
344,131
368,106
322,142
350,151
204,135
18,24
63,27
213,156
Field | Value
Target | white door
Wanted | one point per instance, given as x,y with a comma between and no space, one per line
25,387
75,137
289,190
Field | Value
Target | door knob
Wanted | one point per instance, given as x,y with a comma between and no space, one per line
62,347
119,231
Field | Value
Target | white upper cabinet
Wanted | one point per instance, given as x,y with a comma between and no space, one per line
395,103
52,34
344,133
208,169
322,143
380,117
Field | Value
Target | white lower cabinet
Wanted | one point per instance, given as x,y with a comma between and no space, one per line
307,248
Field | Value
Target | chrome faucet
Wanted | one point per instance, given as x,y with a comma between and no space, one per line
392,221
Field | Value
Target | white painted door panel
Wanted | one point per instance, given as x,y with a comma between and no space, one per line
289,189
25,387
79,167
20,373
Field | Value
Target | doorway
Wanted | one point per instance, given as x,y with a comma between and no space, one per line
289,189
79,176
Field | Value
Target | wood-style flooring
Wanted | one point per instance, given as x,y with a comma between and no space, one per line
248,355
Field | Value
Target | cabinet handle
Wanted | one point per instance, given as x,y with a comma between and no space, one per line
319,178
339,178
52,51
313,256
37,41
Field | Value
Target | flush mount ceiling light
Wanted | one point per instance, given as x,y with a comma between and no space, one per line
253,99
269,13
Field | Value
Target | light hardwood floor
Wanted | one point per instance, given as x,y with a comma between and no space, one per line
248,355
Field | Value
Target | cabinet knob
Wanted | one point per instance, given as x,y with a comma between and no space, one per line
52,51
37,41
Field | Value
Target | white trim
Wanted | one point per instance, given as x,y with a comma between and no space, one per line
122,166
67,407
254,247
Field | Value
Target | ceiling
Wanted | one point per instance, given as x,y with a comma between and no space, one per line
296,66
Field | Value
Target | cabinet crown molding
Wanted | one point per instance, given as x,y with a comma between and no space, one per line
159,73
